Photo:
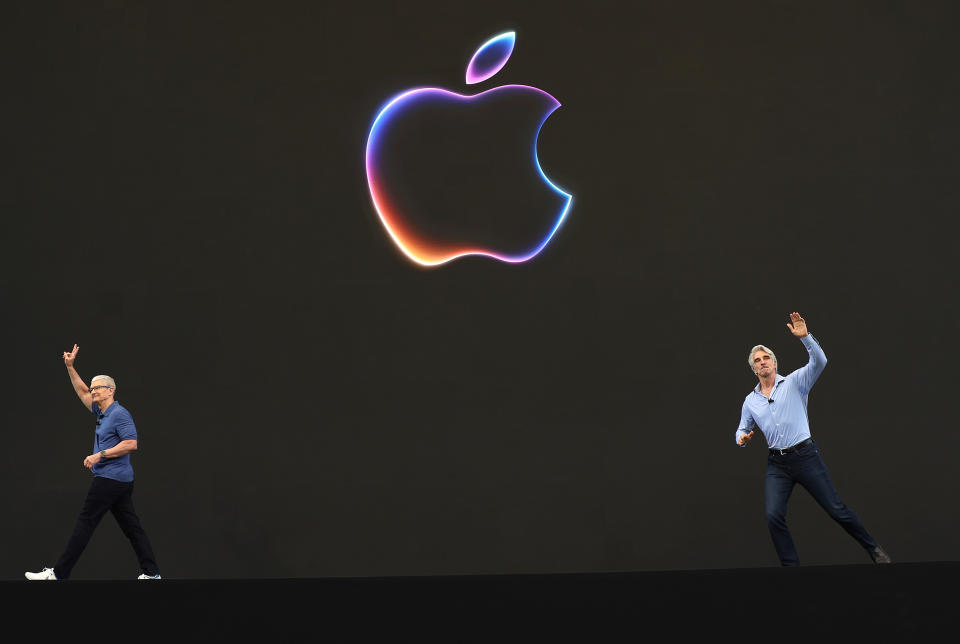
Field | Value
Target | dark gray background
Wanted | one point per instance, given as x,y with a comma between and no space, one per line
184,197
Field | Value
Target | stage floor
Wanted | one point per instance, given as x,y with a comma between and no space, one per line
888,603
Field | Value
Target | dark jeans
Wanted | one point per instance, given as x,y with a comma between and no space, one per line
106,494
806,467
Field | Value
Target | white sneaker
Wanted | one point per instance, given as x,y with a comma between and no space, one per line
46,574
148,577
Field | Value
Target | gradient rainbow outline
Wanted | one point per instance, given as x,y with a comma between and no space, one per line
426,252
507,40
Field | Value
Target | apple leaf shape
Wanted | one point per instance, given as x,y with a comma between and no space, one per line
491,57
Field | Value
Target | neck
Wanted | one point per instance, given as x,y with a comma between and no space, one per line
105,403
766,383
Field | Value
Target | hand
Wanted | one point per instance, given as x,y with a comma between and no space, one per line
91,460
70,356
743,440
799,326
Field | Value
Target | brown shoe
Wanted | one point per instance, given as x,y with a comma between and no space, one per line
879,556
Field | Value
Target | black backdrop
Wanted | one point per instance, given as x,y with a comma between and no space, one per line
184,196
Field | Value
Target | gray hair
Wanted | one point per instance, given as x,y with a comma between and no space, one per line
760,347
107,379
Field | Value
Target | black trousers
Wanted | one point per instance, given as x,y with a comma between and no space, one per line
117,497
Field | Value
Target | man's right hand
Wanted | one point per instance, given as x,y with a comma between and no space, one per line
743,440
79,386
70,356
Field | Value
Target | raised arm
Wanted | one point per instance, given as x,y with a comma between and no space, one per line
79,386
808,374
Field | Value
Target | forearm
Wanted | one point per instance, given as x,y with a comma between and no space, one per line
120,449
747,424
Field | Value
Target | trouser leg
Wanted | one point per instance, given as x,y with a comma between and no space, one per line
123,511
777,490
815,477
100,496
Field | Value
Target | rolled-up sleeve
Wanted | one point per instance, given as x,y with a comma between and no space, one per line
746,424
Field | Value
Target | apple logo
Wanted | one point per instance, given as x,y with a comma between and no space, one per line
452,175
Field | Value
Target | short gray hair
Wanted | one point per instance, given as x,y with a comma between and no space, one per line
107,379
760,347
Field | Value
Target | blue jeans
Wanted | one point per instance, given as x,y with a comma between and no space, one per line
806,467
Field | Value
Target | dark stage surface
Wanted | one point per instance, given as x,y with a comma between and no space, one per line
896,602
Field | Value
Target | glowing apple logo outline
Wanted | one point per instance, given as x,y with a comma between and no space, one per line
487,61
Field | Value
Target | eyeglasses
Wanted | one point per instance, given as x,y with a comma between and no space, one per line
93,389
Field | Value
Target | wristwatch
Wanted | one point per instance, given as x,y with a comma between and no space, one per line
103,453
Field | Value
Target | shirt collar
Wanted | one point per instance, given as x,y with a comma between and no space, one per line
776,382
104,413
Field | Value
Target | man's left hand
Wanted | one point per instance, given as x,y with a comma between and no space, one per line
91,460
799,326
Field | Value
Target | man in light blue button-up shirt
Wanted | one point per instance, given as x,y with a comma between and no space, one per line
778,406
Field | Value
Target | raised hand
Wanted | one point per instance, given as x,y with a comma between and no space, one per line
70,356
799,326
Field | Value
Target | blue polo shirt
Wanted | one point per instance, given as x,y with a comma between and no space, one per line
783,416
113,425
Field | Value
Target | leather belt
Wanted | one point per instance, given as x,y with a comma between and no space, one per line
787,450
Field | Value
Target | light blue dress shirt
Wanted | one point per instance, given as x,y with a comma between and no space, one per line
782,417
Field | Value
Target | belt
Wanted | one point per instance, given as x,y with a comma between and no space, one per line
787,450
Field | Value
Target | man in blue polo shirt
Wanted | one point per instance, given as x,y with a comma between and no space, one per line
778,406
112,486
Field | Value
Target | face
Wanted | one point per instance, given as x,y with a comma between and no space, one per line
764,364
100,391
